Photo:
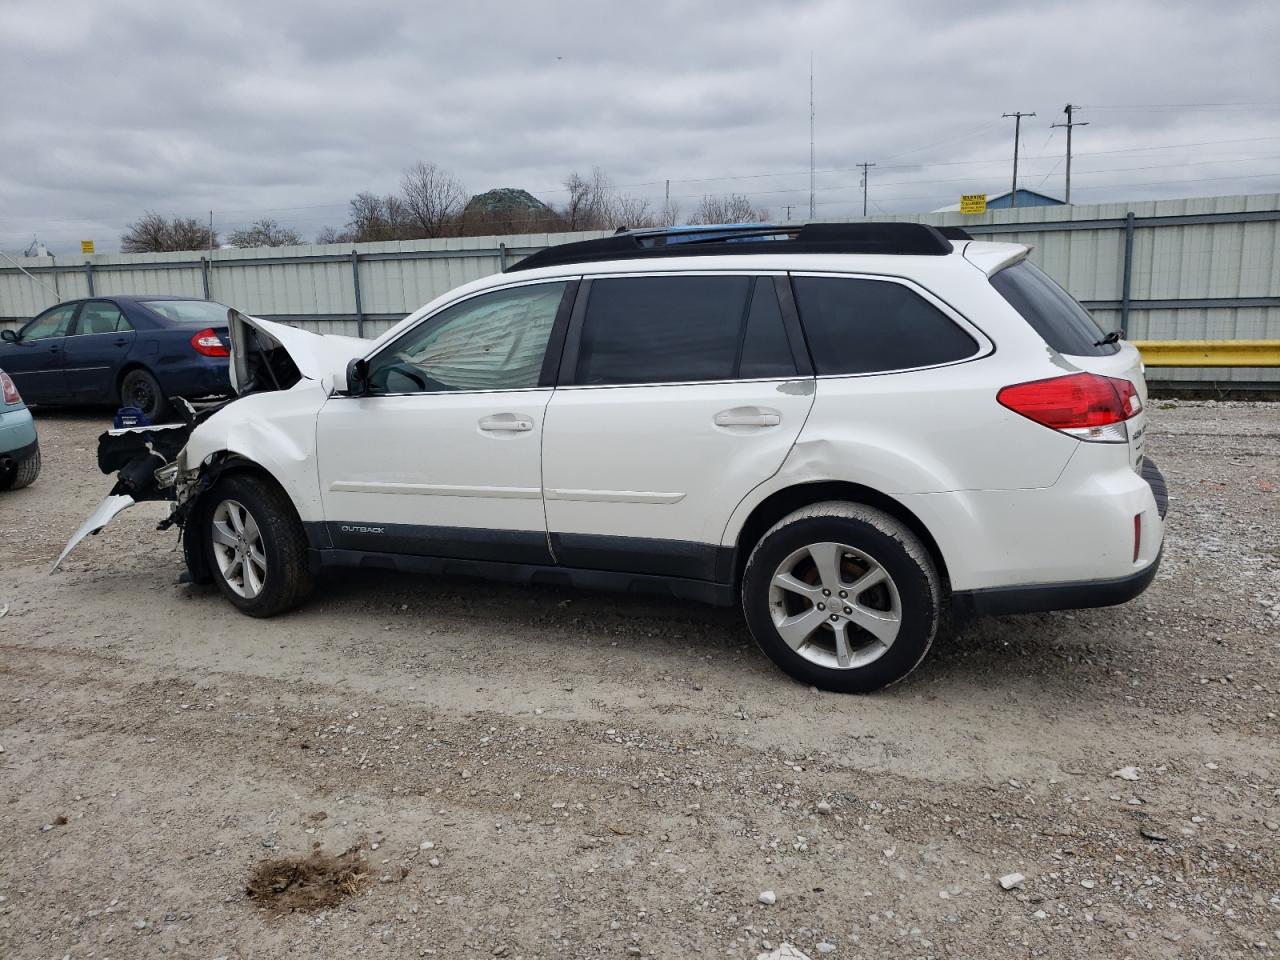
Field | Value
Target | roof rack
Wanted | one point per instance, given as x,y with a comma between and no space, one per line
905,239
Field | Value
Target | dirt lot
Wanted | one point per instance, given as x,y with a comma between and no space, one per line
542,773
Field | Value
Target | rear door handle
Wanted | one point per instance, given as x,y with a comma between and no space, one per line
506,421
748,417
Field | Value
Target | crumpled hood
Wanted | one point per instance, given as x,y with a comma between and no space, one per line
317,356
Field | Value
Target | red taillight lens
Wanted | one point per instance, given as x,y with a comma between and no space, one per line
1084,402
11,394
207,343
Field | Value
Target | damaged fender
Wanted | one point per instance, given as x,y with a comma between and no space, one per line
282,377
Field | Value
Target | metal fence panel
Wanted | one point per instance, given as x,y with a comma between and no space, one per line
1201,268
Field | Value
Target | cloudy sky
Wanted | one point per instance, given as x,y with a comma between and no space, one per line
286,109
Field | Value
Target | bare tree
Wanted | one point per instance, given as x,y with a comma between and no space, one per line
433,199
580,208
733,208
152,233
265,233
332,235
629,212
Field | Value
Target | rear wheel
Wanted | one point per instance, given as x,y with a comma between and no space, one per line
842,596
257,549
140,389
21,474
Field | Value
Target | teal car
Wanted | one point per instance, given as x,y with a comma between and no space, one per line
19,448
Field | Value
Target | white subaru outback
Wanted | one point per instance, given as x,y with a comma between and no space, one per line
845,428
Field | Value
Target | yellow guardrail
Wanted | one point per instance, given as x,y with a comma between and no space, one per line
1209,353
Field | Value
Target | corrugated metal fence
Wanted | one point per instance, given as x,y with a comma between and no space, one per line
1205,268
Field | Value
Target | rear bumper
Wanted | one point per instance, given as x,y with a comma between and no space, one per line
195,377
17,433
1040,597
1075,594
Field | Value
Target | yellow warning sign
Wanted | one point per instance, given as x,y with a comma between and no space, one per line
973,203
86,247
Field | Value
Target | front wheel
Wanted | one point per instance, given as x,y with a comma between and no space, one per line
842,596
257,549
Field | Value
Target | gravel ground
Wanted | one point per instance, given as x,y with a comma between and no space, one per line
545,773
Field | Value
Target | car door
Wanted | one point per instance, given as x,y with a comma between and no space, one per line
35,362
94,350
678,394
442,456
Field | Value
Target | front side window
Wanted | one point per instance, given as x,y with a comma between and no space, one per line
494,341
52,324
1052,312
682,329
98,316
856,325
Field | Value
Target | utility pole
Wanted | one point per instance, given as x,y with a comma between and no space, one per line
789,212
666,206
1068,110
865,167
813,178
1017,133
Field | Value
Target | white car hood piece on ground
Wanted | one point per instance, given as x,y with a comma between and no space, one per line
318,357
106,512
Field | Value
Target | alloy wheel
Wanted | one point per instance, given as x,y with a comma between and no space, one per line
835,605
238,548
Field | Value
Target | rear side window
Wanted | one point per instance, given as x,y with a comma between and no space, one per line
1052,312
874,326
681,330
98,316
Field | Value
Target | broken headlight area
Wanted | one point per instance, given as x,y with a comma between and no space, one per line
144,460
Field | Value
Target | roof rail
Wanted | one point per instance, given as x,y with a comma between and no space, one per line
905,239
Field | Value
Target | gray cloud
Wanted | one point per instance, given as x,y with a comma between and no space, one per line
287,109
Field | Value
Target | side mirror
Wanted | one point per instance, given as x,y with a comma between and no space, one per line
357,378
9,336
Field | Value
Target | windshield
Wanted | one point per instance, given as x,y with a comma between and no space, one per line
206,312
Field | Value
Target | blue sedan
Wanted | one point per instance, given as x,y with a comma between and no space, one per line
129,351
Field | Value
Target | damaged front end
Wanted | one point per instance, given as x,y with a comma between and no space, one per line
155,462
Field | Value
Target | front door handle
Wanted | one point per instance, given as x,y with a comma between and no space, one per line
748,417
506,421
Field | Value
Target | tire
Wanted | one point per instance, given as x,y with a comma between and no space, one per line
238,506
22,474
140,389
902,603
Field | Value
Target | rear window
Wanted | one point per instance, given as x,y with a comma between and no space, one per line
204,312
1052,312
875,326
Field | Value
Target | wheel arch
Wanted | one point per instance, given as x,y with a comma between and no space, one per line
220,464
789,499
125,369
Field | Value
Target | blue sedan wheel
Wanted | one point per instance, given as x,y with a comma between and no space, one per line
140,389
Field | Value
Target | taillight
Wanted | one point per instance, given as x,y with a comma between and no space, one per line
11,394
1085,405
207,343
